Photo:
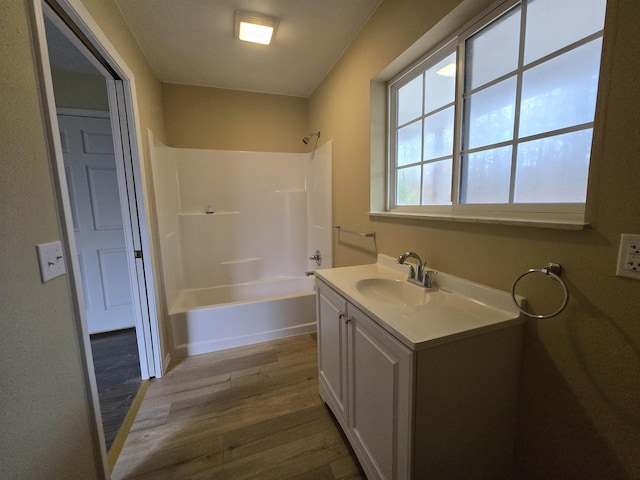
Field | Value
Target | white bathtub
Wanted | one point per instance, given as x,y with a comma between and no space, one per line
208,319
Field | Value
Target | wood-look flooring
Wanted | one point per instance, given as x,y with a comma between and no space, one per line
117,366
246,413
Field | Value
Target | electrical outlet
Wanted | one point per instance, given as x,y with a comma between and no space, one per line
629,256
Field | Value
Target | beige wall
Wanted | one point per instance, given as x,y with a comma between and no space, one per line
109,18
580,405
80,90
213,118
46,429
44,409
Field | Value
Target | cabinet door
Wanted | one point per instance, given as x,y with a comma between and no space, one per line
381,370
332,351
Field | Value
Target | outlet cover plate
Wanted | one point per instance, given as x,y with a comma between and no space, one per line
629,256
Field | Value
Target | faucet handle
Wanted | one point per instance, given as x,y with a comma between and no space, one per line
426,277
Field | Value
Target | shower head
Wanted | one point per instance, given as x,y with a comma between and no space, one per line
305,140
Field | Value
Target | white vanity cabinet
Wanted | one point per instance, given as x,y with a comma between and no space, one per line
446,411
365,377
332,351
380,388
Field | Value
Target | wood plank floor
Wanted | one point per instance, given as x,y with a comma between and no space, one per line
246,413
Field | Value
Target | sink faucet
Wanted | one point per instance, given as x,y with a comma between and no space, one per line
418,275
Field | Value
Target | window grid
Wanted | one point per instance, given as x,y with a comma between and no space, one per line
461,97
518,103
424,115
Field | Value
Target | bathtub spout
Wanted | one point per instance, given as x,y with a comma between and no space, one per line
309,273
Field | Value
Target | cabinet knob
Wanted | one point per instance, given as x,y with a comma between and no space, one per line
341,315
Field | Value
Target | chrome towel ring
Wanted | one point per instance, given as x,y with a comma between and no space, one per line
553,270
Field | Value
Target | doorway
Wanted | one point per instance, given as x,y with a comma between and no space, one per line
90,167
96,175
91,177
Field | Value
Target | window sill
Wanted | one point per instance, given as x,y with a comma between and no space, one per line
558,224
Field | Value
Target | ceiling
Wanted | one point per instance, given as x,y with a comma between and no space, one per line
192,41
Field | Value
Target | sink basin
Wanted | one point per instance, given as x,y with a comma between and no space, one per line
394,292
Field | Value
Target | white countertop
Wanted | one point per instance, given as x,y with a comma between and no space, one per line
458,308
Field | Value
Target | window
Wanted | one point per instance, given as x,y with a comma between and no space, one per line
499,121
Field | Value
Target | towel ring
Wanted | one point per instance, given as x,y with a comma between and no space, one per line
553,270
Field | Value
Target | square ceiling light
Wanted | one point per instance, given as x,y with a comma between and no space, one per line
449,70
256,28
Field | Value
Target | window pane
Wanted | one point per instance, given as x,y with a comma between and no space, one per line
410,101
552,25
486,176
553,96
493,51
489,115
438,134
554,169
436,183
561,92
409,144
408,186
440,86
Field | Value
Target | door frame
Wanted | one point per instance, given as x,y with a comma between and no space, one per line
123,108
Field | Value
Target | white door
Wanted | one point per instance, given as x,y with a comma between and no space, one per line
92,179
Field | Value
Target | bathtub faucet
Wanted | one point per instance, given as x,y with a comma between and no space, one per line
317,257
418,275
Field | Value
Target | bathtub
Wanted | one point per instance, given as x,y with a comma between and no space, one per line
208,319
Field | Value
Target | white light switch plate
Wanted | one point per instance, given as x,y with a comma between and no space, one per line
629,256
51,260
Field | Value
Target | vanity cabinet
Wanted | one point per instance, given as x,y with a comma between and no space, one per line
379,373
332,351
365,377
441,412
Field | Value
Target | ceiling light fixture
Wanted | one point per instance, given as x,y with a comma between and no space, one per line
449,70
256,28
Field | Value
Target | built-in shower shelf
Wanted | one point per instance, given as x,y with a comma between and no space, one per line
241,260
291,190
203,214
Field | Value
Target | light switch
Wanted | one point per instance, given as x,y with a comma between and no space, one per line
51,260
629,256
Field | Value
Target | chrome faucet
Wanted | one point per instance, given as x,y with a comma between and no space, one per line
417,275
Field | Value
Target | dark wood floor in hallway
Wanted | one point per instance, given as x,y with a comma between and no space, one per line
117,366
246,413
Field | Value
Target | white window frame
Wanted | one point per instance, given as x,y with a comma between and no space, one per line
571,215
406,77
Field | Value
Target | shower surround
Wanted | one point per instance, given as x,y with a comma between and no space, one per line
237,276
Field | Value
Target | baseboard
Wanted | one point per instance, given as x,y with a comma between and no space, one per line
165,364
